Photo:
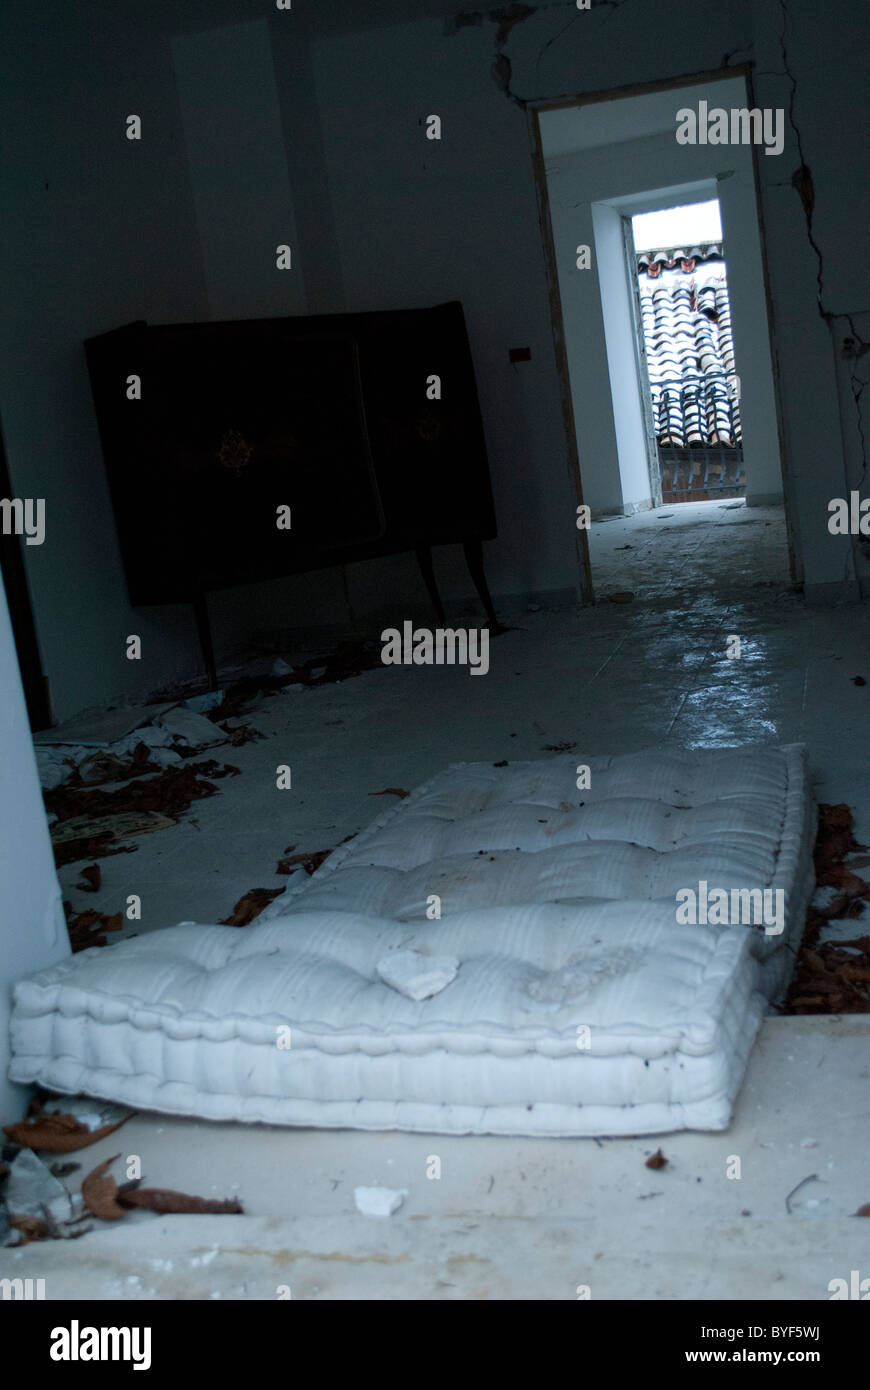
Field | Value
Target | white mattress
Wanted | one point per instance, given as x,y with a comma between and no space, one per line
559,907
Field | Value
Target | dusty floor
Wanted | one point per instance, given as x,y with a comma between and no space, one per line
523,1218
610,679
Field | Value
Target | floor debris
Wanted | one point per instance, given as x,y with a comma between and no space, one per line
656,1160
310,862
51,1131
194,729
170,793
88,928
31,1189
100,1192
250,905
378,1201
35,1204
100,730
89,820
92,877
813,1177
165,1202
120,827
104,1198
833,976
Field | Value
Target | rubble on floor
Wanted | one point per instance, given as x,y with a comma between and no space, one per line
53,1129
88,928
249,906
34,1202
309,862
88,820
112,776
378,1201
104,1198
832,976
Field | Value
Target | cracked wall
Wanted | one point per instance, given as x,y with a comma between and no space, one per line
476,197
388,219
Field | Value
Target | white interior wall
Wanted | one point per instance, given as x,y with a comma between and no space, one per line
620,346
421,221
98,231
33,931
239,154
238,172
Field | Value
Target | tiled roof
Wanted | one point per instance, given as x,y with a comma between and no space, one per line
690,359
682,258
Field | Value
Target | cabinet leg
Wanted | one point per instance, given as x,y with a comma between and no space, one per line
474,560
203,628
424,560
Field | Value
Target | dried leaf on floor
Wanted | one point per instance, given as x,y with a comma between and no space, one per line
52,1132
120,827
164,1201
241,734
828,977
170,793
100,1192
250,905
212,768
108,767
88,821
93,878
656,1160
89,847
310,861
863,1211
31,1227
88,928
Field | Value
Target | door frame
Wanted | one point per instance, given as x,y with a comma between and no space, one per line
641,363
534,108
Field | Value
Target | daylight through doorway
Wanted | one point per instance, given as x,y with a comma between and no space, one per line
692,380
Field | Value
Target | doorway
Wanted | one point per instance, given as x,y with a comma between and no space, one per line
667,372
678,271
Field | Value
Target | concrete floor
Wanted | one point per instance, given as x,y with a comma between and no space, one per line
522,1218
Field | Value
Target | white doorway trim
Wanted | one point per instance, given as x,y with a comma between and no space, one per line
734,183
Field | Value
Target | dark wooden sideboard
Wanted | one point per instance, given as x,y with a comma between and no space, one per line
209,429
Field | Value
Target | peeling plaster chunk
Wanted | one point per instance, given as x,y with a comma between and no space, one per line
378,1201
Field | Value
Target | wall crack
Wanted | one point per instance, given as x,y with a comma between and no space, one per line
853,347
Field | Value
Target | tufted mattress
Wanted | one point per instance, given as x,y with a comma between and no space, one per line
556,993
